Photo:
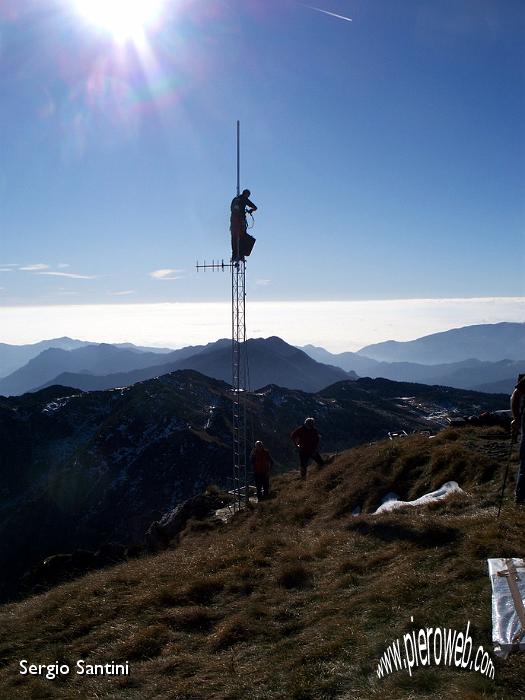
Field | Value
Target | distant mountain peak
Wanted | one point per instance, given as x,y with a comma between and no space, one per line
488,342
272,361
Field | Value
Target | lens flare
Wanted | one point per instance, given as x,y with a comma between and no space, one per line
125,20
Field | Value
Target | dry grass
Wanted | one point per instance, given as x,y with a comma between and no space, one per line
295,598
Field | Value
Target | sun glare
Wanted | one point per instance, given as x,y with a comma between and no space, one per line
124,19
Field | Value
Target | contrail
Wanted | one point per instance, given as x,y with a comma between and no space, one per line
332,14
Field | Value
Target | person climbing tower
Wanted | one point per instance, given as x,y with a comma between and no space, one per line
238,224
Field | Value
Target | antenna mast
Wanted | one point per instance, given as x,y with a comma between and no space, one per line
239,361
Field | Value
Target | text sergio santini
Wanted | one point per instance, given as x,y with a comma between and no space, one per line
51,671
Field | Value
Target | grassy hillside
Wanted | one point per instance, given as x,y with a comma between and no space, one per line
295,597
99,467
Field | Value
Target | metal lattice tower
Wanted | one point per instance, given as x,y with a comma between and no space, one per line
239,381
240,371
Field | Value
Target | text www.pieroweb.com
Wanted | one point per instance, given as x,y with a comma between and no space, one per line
435,646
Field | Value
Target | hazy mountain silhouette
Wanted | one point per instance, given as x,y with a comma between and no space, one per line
473,373
90,366
349,361
12,357
141,348
491,377
503,386
271,361
90,359
487,342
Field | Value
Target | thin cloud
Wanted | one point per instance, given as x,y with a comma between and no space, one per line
6,269
263,283
123,293
35,267
70,275
339,326
62,265
331,14
166,274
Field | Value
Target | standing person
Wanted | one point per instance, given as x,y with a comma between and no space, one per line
262,463
517,406
306,439
238,224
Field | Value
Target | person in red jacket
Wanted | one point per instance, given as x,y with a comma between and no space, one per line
262,463
306,439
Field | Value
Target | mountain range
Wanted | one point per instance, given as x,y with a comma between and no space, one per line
459,360
473,374
98,367
80,470
12,357
486,342
90,359
480,358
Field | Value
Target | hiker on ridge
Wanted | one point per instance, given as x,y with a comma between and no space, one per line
306,439
261,462
238,224
517,405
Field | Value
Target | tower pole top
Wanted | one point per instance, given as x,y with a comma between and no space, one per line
238,158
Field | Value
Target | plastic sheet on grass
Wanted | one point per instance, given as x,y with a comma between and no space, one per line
446,490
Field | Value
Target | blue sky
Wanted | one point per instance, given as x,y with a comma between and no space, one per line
386,154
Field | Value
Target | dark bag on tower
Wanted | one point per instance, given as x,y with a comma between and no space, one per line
247,242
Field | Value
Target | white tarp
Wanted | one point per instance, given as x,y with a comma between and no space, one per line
393,504
507,633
